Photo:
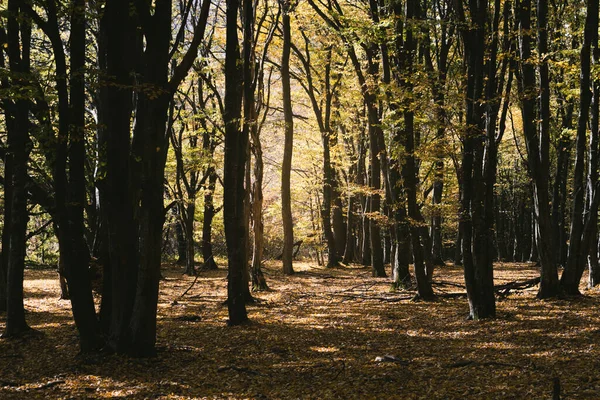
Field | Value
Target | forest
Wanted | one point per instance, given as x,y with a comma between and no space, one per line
299,199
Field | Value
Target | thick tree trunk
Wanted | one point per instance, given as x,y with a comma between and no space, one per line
116,198
478,168
236,144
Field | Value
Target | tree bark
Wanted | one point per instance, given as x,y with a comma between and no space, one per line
577,253
537,146
19,43
288,146
236,144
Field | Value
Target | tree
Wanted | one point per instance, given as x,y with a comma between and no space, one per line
288,147
485,83
580,240
18,35
236,143
133,182
323,113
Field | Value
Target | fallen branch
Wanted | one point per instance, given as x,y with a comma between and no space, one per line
174,302
507,287
501,290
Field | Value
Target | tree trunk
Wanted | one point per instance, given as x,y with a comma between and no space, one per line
116,199
236,144
332,257
593,165
251,129
288,146
537,144
77,269
19,39
478,168
190,243
209,214
577,254
338,225
181,243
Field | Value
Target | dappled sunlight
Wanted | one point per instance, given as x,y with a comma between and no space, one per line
339,332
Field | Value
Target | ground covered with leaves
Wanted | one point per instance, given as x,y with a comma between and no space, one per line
322,333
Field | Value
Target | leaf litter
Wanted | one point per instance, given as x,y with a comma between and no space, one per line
319,334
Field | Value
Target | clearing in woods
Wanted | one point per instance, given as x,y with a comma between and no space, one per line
322,333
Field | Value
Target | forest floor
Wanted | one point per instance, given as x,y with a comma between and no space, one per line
320,334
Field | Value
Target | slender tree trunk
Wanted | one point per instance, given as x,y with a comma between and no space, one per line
332,257
593,165
19,39
77,270
349,253
6,229
181,243
288,147
251,129
338,225
537,143
577,253
190,243
8,172
209,214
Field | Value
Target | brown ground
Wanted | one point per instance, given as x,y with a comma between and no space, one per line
317,335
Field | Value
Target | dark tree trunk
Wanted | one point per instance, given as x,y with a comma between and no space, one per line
593,165
6,229
18,42
537,143
67,158
251,129
349,248
190,243
479,163
8,171
406,50
77,269
332,257
236,144
338,225
374,198
288,147
116,198
577,252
